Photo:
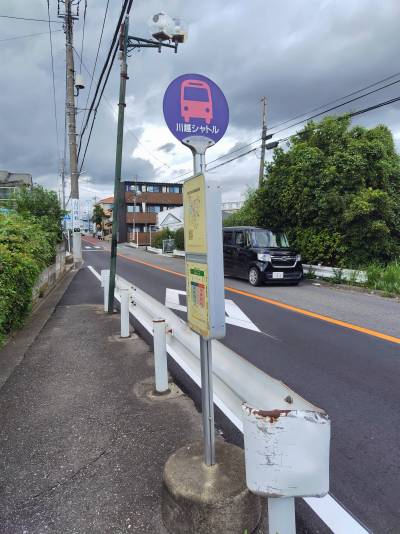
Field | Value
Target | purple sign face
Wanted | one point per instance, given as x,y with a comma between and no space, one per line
195,106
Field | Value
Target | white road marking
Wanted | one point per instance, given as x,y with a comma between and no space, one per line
337,518
172,299
93,271
97,246
234,314
87,248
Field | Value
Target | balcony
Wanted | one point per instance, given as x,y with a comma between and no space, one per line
147,217
162,199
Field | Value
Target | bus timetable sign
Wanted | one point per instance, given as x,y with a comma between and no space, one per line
194,106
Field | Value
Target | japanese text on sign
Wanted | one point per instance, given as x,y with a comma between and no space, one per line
197,297
194,215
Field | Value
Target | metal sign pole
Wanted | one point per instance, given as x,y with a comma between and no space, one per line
197,113
207,400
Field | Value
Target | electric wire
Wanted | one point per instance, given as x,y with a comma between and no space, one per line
337,100
319,114
336,107
95,110
25,18
54,85
129,132
27,35
350,114
83,35
94,68
111,52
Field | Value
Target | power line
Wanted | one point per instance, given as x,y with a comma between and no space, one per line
338,106
351,114
338,99
95,65
54,84
27,35
127,4
95,110
83,35
371,108
24,18
129,132
233,159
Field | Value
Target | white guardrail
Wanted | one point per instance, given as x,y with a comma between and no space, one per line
335,272
286,438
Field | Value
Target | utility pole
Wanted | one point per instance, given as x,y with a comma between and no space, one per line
118,189
264,139
71,119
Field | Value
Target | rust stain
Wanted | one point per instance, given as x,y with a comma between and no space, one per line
272,415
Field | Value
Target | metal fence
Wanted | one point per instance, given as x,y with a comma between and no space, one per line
286,438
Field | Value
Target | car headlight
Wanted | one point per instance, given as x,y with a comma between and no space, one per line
264,257
298,257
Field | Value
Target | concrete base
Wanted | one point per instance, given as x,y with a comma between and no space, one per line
198,499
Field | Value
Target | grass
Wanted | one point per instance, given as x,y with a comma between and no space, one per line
384,278
379,277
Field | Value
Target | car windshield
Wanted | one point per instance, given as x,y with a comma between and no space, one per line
266,238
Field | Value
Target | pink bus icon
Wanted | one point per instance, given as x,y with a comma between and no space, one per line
196,101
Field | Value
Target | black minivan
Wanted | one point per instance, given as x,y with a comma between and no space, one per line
260,255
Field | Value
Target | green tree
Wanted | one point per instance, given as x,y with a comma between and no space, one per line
98,216
336,193
180,239
43,206
247,215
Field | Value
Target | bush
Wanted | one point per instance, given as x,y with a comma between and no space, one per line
26,248
180,239
166,233
18,273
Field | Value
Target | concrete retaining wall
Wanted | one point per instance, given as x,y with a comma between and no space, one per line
49,277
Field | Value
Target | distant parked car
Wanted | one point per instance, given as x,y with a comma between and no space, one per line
260,255
100,235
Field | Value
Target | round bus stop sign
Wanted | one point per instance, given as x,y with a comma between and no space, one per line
194,106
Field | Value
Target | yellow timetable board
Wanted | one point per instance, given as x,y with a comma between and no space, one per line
197,297
194,209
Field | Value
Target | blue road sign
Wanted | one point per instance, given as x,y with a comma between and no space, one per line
195,106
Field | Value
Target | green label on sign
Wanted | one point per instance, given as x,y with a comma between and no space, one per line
197,272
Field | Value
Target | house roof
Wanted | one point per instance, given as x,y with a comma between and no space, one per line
107,200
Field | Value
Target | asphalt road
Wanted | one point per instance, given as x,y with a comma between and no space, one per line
352,373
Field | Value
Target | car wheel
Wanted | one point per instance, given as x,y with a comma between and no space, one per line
254,276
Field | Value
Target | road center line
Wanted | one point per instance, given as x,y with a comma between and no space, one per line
279,304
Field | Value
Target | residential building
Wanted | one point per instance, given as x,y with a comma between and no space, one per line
171,218
9,183
107,205
143,201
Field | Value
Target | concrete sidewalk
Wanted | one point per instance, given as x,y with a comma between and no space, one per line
82,446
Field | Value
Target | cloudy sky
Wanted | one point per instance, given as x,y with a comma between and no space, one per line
300,54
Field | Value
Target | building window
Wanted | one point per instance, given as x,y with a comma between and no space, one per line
133,209
174,189
153,209
155,188
6,192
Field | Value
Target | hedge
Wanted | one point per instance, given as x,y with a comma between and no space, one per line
25,250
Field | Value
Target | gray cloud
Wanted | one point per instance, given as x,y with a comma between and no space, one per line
167,147
298,56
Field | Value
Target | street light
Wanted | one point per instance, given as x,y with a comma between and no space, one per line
167,34
150,227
